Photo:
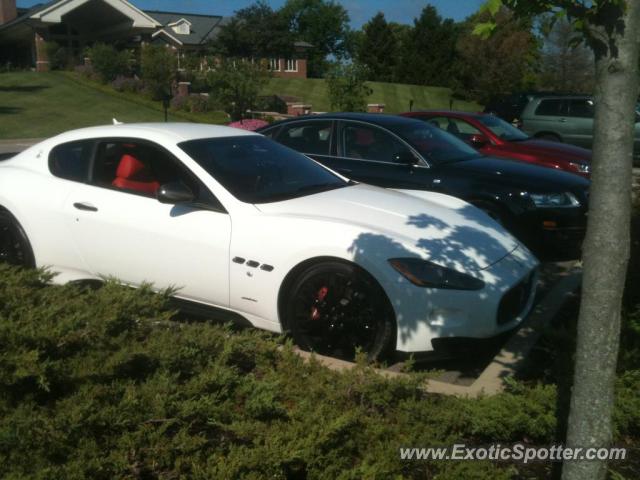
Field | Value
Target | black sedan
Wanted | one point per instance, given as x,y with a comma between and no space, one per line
544,208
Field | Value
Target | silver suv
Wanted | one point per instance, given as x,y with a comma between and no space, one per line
566,119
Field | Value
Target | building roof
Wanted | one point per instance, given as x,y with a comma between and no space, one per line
202,27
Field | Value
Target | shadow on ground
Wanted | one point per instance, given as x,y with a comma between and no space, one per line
10,110
23,88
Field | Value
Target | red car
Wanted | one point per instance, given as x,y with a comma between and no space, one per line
497,138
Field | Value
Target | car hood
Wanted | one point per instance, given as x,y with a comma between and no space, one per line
444,229
555,150
519,175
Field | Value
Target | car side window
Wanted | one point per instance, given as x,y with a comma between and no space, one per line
307,137
370,143
552,107
141,168
460,128
71,160
271,132
582,108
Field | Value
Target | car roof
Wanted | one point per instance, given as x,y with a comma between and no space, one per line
177,132
456,113
562,97
381,119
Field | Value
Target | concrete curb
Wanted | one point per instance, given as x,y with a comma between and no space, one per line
505,363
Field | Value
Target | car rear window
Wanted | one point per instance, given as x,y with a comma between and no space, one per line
71,160
551,107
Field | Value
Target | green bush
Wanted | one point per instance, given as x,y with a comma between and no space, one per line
59,57
108,62
104,383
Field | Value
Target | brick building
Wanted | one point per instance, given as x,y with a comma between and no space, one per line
76,24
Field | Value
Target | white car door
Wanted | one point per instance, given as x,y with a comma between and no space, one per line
134,237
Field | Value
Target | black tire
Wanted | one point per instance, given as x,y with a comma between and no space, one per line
15,248
550,137
333,308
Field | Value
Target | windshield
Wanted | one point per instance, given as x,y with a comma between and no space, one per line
255,169
502,129
434,144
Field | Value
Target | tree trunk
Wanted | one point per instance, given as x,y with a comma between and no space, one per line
606,247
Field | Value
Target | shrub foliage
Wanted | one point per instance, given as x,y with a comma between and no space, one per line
108,62
104,383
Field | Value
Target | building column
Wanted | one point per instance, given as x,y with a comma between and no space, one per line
42,60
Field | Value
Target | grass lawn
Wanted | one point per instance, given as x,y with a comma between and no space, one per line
395,96
35,105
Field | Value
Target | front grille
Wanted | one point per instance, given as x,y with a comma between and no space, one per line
515,300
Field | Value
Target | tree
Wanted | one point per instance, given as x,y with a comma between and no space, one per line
429,50
158,69
322,23
348,91
255,32
236,84
378,49
565,66
502,63
610,28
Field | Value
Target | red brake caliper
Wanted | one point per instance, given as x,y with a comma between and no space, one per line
320,296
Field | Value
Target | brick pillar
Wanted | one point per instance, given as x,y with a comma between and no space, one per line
375,107
42,61
297,109
183,89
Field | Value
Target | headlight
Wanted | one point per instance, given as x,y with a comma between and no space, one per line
554,200
580,167
426,274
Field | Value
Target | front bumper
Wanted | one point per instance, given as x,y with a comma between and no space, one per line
425,315
555,230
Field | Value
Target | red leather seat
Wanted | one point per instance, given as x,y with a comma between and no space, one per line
132,174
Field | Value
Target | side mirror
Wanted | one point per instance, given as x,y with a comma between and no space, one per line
478,140
405,157
175,192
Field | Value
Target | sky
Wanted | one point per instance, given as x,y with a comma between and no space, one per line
360,11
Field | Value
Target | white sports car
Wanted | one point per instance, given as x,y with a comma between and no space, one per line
243,224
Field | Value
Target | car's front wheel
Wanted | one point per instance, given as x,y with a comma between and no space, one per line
15,248
334,308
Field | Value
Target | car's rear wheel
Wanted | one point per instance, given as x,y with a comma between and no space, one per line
334,308
15,248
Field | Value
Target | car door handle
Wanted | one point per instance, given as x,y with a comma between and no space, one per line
563,120
345,170
87,207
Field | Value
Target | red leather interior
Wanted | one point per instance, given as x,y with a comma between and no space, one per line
132,174
364,137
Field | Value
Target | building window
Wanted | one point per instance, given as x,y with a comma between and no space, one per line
292,65
181,27
274,64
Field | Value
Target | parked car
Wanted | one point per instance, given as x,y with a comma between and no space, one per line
495,137
566,119
542,207
509,107
245,225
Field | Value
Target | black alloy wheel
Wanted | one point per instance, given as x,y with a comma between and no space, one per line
15,248
335,308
